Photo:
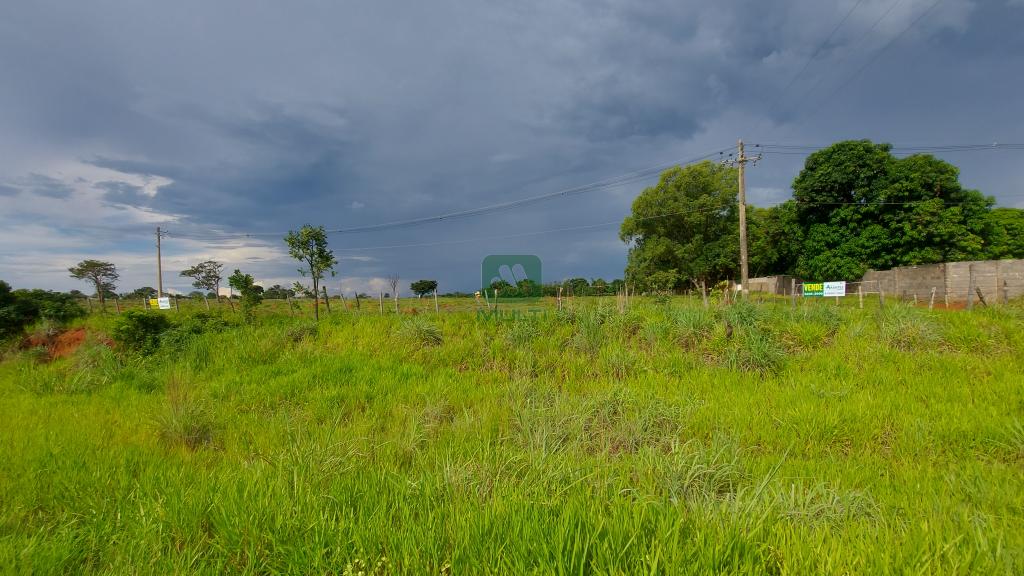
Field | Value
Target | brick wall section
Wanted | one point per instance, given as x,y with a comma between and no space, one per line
952,278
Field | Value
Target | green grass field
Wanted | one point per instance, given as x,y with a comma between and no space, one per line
818,440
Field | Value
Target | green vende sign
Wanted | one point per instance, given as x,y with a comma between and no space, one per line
814,289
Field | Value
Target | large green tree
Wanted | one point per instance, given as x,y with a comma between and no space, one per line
1007,234
775,239
860,207
684,229
309,246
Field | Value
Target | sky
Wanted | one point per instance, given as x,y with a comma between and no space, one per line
229,123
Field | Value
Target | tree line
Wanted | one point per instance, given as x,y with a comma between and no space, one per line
855,207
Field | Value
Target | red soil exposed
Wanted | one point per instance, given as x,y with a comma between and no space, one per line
63,344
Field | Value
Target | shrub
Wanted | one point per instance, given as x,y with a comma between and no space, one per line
20,308
139,331
422,332
178,335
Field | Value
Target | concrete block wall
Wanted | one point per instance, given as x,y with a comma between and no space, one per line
781,285
952,279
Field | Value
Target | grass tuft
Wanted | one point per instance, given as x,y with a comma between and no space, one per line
421,332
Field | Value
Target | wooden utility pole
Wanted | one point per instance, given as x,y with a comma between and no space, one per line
740,164
159,267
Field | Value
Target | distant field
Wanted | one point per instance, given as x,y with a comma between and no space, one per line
668,439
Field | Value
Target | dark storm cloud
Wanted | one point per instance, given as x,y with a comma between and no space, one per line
8,190
43,185
116,192
259,118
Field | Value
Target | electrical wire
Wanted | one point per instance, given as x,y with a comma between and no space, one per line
874,58
813,56
490,209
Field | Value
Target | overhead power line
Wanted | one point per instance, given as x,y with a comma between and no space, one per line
619,221
811,58
874,58
489,209
860,40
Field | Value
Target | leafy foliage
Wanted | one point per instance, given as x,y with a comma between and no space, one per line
684,229
19,308
423,287
206,275
250,294
859,207
309,245
278,292
1007,233
139,331
102,275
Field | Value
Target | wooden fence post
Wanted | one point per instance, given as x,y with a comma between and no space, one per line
382,303
117,305
207,302
495,299
327,300
356,294
89,300
881,297
931,301
704,293
559,297
860,295
176,307
344,302
1006,293
437,310
970,287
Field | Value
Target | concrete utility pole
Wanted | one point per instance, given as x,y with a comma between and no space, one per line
159,267
740,164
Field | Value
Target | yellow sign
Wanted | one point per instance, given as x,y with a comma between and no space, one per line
154,303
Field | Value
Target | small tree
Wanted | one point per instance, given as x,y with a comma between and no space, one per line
206,275
393,282
423,287
101,274
309,245
250,294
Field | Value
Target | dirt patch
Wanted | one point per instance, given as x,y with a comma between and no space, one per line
66,343
62,344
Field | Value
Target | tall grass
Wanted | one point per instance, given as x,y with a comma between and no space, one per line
670,439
